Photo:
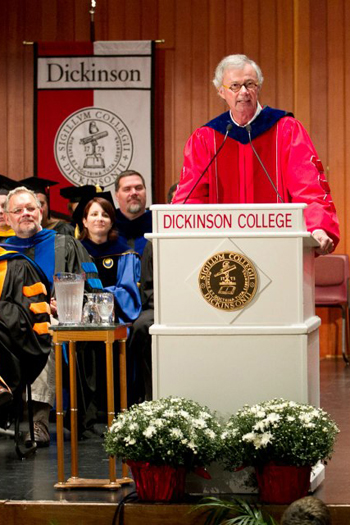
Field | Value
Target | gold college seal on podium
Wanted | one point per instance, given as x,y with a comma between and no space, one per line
228,281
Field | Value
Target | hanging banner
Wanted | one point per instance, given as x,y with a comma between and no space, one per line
93,113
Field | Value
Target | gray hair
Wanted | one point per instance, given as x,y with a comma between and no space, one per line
20,189
235,62
127,173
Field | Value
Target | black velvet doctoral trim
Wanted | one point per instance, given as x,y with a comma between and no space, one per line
263,122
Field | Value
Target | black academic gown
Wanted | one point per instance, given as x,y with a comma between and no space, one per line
24,320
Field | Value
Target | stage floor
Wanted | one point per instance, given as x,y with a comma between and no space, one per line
33,480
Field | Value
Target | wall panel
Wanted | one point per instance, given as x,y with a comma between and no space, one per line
268,52
303,47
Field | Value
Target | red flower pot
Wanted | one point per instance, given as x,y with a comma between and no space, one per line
158,483
282,484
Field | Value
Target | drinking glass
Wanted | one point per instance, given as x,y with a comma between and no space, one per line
90,313
105,306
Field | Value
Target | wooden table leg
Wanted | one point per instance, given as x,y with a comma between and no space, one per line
110,403
123,389
73,409
59,413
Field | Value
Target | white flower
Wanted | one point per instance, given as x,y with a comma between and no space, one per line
290,418
204,415
158,423
273,418
208,432
150,431
260,425
192,446
249,437
176,432
199,423
184,414
266,438
305,418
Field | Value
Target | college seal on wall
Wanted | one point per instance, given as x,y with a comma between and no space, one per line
228,281
92,146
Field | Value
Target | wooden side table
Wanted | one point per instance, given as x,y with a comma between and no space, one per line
72,334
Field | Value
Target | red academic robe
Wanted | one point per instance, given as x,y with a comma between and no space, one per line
236,175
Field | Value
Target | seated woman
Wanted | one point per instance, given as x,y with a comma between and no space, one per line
119,271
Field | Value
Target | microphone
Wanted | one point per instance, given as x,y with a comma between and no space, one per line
249,130
228,129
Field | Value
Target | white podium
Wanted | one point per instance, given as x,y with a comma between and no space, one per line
203,349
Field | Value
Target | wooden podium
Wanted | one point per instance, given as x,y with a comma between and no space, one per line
225,358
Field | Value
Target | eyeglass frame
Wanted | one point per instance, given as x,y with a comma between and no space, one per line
256,85
19,211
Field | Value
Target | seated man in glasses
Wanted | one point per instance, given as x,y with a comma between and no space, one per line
293,171
53,253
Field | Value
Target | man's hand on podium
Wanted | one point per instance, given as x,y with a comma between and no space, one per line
326,243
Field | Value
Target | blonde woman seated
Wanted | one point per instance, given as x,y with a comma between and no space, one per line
118,270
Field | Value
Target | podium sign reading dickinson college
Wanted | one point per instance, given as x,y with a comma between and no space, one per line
242,219
93,113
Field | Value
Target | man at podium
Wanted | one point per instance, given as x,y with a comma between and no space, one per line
251,154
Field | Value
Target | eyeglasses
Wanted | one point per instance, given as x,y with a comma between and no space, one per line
19,211
236,86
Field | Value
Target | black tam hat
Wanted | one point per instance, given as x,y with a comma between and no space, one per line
76,193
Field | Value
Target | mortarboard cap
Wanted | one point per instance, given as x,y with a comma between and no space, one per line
76,193
38,184
7,184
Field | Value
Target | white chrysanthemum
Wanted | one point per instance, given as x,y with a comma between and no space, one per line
266,438
199,423
169,413
176,433
260,425
249,437
208,432
150,431
192,446
204,415
305,418
272,418
184,414
261,440
158,422
116,426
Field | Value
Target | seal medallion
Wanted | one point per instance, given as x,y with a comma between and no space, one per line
228,281
108,263
92,146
